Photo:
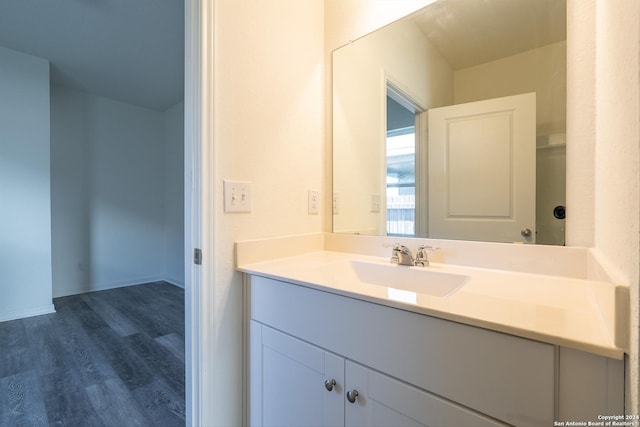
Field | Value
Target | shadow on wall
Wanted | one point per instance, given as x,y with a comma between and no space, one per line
117,193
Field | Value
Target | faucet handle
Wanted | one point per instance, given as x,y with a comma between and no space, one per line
395,249
422,255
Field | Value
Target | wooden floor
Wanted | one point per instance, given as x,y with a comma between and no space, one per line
107,358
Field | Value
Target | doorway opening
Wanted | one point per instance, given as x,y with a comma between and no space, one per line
401,157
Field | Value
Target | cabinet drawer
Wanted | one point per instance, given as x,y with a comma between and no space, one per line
386,401
506,377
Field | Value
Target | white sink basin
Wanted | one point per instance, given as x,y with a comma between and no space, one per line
416,280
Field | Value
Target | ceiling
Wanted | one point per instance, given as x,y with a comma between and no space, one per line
469,33
133,50
128,50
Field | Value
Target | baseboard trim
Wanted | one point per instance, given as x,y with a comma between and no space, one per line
104,287
27,312
174,282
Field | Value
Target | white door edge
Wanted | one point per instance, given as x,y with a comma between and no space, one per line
198,136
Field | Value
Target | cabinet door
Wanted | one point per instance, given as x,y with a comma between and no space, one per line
386,401
287,382
589,385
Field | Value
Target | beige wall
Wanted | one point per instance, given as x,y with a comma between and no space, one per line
540,70
268,129
269,68
347,20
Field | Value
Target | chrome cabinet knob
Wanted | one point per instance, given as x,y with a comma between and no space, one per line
330,384
352,396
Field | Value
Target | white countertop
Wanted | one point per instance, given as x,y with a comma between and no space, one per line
557,310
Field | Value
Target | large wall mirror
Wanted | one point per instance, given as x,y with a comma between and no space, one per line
450,123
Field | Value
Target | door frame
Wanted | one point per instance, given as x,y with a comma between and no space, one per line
199,198
401,93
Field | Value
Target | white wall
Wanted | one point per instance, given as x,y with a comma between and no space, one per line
581,123
173,120
70,189
25,222
108,192
603,150
617,155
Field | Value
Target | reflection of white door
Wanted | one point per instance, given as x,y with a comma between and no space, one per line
482,165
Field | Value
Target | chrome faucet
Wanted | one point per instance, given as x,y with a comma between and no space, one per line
401,255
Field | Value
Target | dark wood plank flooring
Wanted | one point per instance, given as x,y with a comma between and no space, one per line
106,358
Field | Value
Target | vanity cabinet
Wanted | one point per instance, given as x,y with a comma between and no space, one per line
298,384
407,368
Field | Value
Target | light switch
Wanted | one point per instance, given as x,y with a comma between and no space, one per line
237,196
376,201
314,202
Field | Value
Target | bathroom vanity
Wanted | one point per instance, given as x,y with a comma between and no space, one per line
331,344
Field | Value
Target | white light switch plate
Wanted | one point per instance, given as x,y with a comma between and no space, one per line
336,203
314,202
376,201
237,196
